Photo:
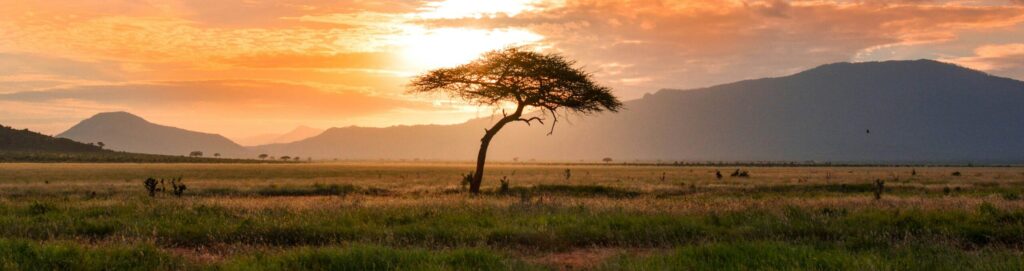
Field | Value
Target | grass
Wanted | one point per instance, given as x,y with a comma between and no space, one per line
786,256
375,216
26,255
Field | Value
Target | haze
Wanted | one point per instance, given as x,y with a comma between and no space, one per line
248,68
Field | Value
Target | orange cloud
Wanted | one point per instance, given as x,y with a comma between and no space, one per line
681,44
995,58
346,62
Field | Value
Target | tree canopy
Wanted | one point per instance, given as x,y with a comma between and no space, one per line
525,78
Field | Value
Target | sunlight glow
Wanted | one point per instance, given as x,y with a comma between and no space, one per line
444,47
475,8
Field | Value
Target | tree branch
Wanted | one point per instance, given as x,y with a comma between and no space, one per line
554,116
527,121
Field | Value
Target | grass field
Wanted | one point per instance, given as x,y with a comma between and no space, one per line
417,216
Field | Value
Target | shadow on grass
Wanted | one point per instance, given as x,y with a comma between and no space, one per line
294,191
569,191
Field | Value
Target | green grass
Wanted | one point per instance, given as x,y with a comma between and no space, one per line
788,256
538,226
25,255
377,258
366,216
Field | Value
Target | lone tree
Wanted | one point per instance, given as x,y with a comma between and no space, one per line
530,80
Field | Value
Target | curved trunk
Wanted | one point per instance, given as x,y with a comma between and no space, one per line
481,157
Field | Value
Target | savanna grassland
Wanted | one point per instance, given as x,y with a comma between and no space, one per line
417,216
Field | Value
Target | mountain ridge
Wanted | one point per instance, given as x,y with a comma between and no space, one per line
124,131
788,118
890,111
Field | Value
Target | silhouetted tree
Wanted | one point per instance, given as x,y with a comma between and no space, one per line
216,154
195,154
530,80
286,158
100,144
263,156
607,159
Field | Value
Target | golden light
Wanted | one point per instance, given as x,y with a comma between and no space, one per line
424,48
476,8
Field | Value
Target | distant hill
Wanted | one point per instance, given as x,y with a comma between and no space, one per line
126,132
299,133
28,146
894,111
24,140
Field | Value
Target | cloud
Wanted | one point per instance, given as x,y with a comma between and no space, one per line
231,107
681,44
999,58
244,98
328,63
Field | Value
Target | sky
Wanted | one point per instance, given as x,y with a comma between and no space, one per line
243,68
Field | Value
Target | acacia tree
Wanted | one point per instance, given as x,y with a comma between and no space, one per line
548,83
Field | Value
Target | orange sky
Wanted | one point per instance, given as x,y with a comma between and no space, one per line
242,68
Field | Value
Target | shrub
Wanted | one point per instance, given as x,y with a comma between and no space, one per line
505,189
879,188
150,184
466,180
178,187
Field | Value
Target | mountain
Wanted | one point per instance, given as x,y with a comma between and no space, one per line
299,133
893,111
28,141
27,146
126,132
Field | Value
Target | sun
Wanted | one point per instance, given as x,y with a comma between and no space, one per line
424,48
451,9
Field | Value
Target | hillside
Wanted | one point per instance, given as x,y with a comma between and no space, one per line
126,132
895,111
299,133
28,146
24,140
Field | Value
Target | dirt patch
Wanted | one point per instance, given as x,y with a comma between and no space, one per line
580,259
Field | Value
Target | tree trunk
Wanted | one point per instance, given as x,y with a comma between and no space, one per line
481,157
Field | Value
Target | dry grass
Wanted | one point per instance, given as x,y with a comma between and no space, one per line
318,191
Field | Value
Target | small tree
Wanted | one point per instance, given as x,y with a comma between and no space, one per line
607,160
263,156
100,144
195,154
528,79
286,158
216,154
